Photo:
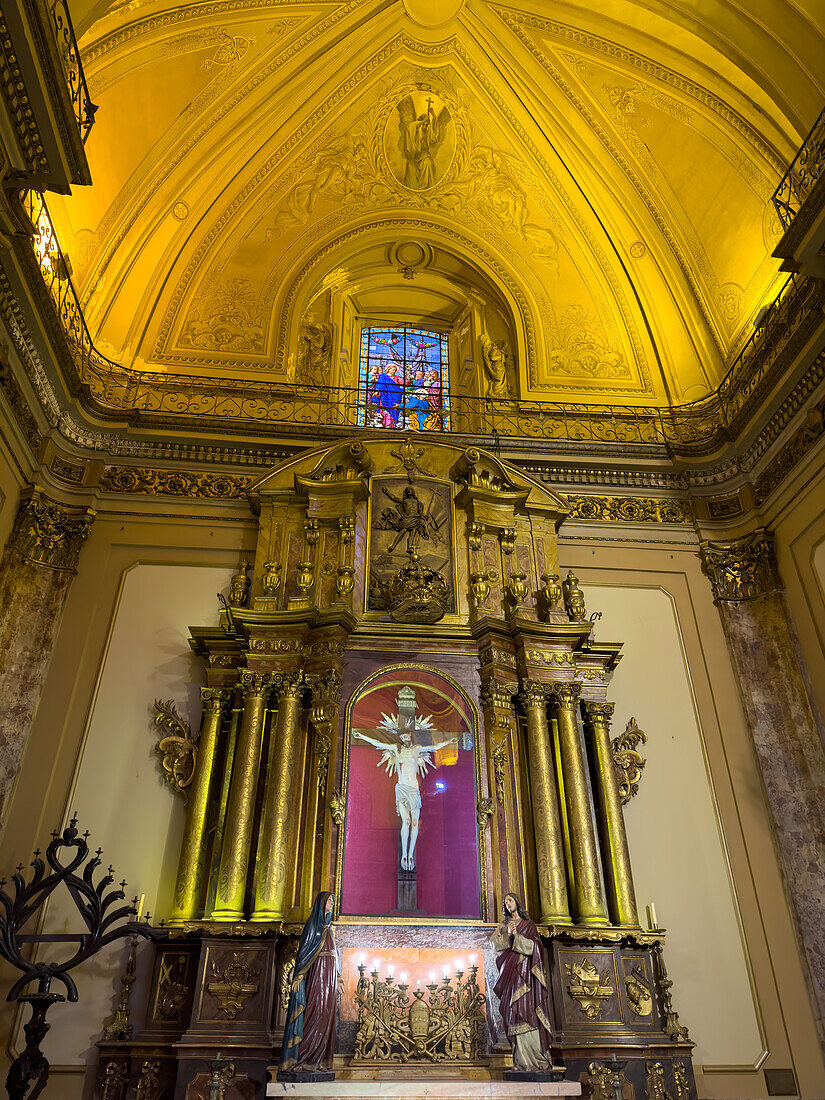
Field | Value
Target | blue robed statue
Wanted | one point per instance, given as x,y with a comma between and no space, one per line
309,1035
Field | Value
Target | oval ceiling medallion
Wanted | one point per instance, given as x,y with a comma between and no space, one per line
419,140
433,13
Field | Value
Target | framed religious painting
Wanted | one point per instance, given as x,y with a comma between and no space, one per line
409,518
412,844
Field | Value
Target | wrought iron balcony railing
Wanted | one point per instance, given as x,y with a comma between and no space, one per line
804,171
84,109
693,428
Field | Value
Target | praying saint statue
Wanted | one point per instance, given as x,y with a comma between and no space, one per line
406,760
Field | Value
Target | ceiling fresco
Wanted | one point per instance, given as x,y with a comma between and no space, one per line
599,185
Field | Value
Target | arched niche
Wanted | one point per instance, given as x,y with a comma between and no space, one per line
449,854
415,275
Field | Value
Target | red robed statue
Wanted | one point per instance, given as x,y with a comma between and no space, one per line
522,989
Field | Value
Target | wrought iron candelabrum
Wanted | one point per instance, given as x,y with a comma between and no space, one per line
444,1025
68,862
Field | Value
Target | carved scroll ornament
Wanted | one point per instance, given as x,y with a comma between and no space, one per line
177,747
629,762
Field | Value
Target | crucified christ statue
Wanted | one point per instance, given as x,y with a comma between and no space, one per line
406,759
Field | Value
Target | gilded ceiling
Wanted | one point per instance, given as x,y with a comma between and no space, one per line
596,186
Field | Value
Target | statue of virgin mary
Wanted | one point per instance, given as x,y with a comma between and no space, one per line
309,1035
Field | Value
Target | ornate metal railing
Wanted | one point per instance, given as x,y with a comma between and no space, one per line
84,109
329,411
805,169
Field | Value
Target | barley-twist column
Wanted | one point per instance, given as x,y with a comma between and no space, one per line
615,853
545,802
588,894
240,808
193,847
272,879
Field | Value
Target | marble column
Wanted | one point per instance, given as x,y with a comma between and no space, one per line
785,725
36,572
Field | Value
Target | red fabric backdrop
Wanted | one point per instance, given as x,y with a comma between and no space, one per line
447,849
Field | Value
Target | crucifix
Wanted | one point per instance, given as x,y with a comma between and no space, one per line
406,759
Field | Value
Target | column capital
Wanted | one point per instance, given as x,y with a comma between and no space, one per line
325,688
565,693
290,685
598,713
255,683
533,693
741,569
498,693
213,699
49,533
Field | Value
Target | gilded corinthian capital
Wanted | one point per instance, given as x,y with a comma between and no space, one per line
255,683
599,713
533,694
498,693
565,693
48,533
213,699
741,569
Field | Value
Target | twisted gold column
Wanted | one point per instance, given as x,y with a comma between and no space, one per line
615,853
544,797
272,878
240,809
193,846
588,894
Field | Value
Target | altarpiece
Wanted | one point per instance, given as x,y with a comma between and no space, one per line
406,706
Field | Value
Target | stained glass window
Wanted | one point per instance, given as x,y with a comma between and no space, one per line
403,379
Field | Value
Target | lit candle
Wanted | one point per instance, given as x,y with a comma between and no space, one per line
418,984
651,916
432,977
375,964
362,959
445,970
402,979
459,965
472,960
390,970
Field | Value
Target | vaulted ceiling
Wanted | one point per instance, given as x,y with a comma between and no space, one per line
603,175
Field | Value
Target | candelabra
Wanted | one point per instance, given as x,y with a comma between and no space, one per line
442,1024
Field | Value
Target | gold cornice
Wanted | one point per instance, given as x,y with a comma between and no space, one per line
141,480
629,509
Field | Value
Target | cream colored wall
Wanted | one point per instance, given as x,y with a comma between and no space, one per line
122,643
119,793
711,869
679,859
